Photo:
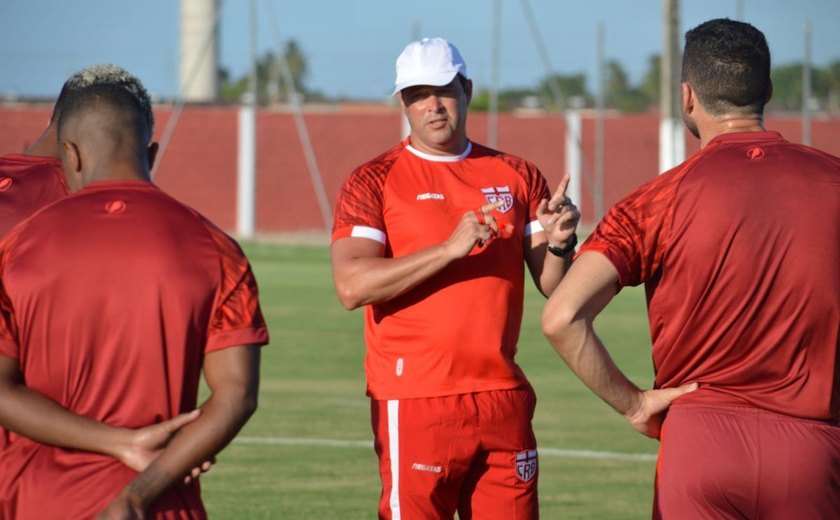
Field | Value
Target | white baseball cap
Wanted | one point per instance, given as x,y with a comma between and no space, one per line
430,61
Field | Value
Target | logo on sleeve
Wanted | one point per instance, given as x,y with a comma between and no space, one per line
499,193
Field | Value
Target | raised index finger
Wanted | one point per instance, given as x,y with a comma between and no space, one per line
559,195
487,208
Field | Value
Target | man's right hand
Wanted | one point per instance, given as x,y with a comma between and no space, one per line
646,417
145,444
476,227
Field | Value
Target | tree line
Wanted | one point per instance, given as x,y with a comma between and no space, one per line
554,92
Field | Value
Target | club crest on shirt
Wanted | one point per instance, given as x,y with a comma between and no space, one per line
526,464
499,193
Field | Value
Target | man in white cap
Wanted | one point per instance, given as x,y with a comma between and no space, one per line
432,237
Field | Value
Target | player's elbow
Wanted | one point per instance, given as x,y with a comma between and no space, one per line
557,321
349,296
249,406
243,406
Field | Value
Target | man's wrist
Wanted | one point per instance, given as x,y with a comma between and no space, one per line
571,244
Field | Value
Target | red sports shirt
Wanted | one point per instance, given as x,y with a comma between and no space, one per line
457,332
27,184
739,251
110,299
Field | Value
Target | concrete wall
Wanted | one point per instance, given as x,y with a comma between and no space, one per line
199,164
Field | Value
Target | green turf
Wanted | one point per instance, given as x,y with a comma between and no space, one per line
313,388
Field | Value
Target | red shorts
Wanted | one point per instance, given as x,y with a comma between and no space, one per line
474,453
720,462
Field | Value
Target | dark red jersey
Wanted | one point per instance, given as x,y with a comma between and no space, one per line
110,300
738,249
27,184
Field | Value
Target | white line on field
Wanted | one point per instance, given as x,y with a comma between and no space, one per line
338,443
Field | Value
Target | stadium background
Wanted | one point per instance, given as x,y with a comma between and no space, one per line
199,164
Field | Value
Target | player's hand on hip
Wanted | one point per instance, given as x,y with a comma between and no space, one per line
558,216
646,417
476,227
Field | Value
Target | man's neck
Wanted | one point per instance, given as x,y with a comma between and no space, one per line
46,145
728,124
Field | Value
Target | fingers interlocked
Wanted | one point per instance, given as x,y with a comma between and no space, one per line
479,214
488,228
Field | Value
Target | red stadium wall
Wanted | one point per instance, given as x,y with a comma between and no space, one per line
199,164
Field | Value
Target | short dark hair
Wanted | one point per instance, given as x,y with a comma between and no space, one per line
106,74
727,63
107,97
462,80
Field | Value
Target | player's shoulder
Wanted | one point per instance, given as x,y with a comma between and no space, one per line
371,176
380,165
520,164
12,164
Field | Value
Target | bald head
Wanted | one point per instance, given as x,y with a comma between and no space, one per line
103,134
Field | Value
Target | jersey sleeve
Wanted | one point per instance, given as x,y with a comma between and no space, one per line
634,233
9,340
237,318
358,211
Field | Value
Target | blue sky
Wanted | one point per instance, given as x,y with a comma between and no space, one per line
351,45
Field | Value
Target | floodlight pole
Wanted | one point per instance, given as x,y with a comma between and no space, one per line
806,88
247,145
671,136
598,184
493,106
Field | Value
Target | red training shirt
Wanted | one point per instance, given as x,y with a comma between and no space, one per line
456,332
27,184
110,300
739,253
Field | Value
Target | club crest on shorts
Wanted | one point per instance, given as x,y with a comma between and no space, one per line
526,464
497,193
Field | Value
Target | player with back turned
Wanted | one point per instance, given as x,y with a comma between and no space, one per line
739,253
114,300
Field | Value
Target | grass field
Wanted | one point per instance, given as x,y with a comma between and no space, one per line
307,453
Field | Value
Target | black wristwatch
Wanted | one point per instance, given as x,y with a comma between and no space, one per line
563,251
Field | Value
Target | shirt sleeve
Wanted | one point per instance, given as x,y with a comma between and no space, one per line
359,208
634,233
237,319
9,339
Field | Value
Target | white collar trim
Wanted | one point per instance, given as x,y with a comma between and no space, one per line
440,158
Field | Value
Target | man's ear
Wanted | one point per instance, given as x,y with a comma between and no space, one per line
687,97
769,92
71,162
468,90
70,157
151,154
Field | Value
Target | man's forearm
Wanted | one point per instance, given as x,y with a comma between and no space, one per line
553,270
221,419
232,374
370,280
33,415
587,357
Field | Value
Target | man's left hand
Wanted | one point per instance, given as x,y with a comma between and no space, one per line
559,216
